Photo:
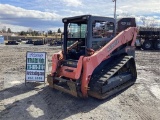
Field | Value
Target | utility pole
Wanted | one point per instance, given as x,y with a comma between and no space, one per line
115,16
115,8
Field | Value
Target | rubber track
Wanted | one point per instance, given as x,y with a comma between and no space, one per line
99,79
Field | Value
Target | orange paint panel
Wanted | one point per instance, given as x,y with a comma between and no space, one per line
55,61
67,74
76,71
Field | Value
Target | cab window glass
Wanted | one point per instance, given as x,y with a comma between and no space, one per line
77,30
102,29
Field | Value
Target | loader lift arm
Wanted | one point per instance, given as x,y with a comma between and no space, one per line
91,62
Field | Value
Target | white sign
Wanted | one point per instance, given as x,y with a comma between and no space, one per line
35,66
1,40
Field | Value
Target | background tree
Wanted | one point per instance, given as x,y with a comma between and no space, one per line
34,33
59,30
54,33
143,19
4,29
30,30
9,30
22,33
50,32
152,22
125,14
148,22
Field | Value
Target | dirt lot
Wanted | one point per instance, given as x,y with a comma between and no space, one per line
36,101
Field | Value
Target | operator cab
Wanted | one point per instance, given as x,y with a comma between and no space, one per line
85,32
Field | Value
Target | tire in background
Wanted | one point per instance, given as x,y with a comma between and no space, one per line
147,45
157,45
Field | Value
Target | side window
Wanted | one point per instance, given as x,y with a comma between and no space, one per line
73,31
102,29
77,30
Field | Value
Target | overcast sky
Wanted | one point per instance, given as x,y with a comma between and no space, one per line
46,15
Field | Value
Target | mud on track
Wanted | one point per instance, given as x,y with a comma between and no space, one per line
36,101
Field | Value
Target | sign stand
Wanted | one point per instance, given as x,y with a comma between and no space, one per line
36,67
46,68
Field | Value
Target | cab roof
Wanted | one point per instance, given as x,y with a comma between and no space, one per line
83,18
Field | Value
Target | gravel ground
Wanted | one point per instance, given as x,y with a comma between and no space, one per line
37,101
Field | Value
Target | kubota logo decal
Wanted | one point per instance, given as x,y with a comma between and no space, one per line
113,45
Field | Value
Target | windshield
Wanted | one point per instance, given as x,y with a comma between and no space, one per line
76,30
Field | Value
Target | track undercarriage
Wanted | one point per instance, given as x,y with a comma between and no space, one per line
113,78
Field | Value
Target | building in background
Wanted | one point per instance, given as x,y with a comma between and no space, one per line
1,39
8,36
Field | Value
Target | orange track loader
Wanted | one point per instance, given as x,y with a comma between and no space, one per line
94,60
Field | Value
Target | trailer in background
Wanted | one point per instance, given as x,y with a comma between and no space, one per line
148,39
12,42
40,42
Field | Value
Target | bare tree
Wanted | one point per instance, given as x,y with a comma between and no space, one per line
148,22
30,30
152,22
4,29
125,14
143,20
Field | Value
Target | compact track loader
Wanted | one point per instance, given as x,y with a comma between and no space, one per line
95,60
